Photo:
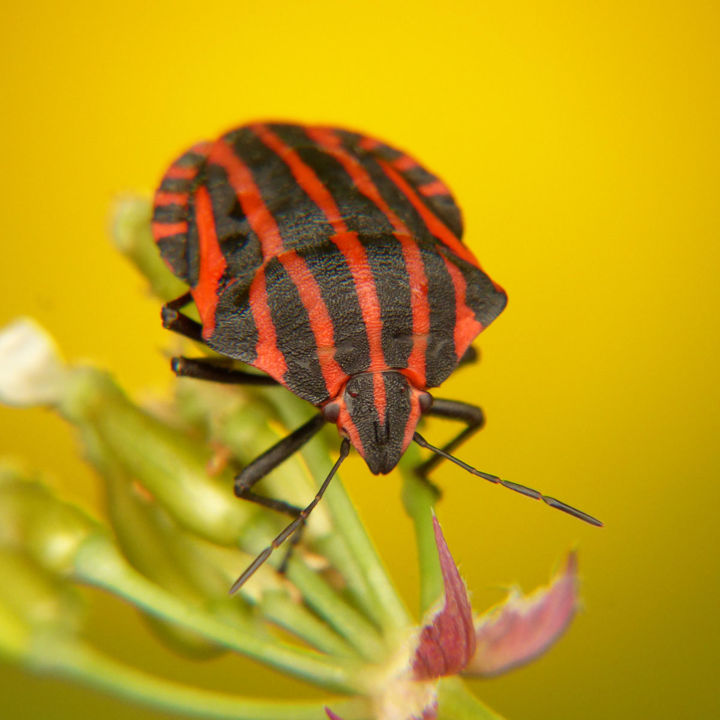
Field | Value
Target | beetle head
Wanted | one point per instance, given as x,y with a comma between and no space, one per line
378,413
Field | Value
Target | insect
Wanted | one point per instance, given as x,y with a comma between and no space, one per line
333,263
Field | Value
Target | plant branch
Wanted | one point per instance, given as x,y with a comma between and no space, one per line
419,499
84,663
99,563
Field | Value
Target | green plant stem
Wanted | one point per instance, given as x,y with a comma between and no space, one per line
99,563
172,468
283,611
86,664
419,499
347,621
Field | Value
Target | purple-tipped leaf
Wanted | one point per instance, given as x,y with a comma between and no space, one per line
447,640
521,628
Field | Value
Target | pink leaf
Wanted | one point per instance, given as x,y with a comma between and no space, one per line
331,714
447,641
522,628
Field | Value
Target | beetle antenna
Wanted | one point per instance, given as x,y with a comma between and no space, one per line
528,492
294,525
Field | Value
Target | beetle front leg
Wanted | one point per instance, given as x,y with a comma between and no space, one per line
471,415
268,461
276,455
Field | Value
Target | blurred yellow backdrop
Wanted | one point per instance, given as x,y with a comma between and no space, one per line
581,140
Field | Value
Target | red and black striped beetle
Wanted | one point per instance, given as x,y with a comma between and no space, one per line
333,263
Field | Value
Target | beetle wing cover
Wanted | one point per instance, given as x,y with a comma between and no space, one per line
315,253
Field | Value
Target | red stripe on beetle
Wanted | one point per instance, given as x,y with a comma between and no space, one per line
319,318
436,226
248,194
347,427
163,230
170,198
201,148
346,241
212,262
368,143
436,187
305,176
178,172
404,163
265,227
419,305
466,325
356,259
269,357
412,420
359,175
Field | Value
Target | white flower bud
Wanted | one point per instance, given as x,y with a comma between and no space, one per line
31,369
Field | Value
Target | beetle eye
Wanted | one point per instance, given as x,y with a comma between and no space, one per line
426,401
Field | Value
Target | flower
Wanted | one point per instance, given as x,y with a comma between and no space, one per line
452,642
31,371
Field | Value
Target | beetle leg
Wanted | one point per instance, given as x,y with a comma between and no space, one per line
268,461
470,356
297,524
471,415
174,320
278,505
277,454
282,507
179,302
213,370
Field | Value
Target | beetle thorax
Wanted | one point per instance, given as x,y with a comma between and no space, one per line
378,413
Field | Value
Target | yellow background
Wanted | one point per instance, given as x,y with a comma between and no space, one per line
581,140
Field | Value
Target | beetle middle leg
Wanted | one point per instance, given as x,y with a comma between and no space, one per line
471,415
217,370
